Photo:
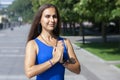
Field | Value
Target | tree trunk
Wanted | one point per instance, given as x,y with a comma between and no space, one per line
70,28
73,28
82,33
119,26
64,31
104,32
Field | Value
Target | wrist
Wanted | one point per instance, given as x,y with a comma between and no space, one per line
53,61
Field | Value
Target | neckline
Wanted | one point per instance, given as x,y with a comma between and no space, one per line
46,43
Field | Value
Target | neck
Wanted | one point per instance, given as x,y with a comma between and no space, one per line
47,35
49,39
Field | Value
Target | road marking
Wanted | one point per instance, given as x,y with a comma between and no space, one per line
23,77
2,35
11,55
11,77
12,47
9,51
75,77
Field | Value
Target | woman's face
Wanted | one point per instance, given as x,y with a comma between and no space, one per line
49,19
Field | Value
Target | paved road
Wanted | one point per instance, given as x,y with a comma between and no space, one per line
12,44
12,47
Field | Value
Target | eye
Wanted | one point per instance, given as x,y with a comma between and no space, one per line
47,16
54,16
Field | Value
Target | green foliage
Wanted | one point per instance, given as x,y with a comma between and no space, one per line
35,5
118,3
65,8
95,10
21,8
115,13
72,10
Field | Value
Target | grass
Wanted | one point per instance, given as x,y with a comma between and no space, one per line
107,51
118,65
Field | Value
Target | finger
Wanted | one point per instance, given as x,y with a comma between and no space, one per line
54,49
60,43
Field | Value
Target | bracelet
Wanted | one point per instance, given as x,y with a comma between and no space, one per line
51,63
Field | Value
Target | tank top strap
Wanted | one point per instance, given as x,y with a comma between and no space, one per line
37,42
60,38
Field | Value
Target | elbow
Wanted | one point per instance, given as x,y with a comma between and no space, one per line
78,70
28,74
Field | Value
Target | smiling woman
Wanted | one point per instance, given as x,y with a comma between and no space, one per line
48,54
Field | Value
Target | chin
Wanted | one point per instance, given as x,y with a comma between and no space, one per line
51,27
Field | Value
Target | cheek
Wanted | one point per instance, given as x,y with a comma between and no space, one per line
56,21
43,21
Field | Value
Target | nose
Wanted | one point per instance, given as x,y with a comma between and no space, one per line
52,19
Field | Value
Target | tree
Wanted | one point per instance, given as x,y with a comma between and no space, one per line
22,8
65,8
96,11
115,14
35,5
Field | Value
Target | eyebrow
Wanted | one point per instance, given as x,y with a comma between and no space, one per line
50,15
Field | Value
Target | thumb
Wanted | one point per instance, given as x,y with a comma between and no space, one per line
54,49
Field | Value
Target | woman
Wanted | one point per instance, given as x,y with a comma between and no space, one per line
47,54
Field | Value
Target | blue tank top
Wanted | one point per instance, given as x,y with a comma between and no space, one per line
57,71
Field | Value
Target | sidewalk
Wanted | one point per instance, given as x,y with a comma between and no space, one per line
12,45
92,64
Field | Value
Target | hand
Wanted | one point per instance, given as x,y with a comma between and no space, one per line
58,52
69,61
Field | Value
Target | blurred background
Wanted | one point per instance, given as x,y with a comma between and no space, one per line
78,17
93,25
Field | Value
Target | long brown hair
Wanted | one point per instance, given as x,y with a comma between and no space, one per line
36,26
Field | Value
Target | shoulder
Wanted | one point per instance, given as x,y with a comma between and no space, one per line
31,44
66,41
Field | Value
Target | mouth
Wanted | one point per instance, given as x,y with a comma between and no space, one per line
52,25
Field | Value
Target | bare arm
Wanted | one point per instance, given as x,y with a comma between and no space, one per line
72,67
31,51
30,68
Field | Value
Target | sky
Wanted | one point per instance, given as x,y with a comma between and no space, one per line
6,1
